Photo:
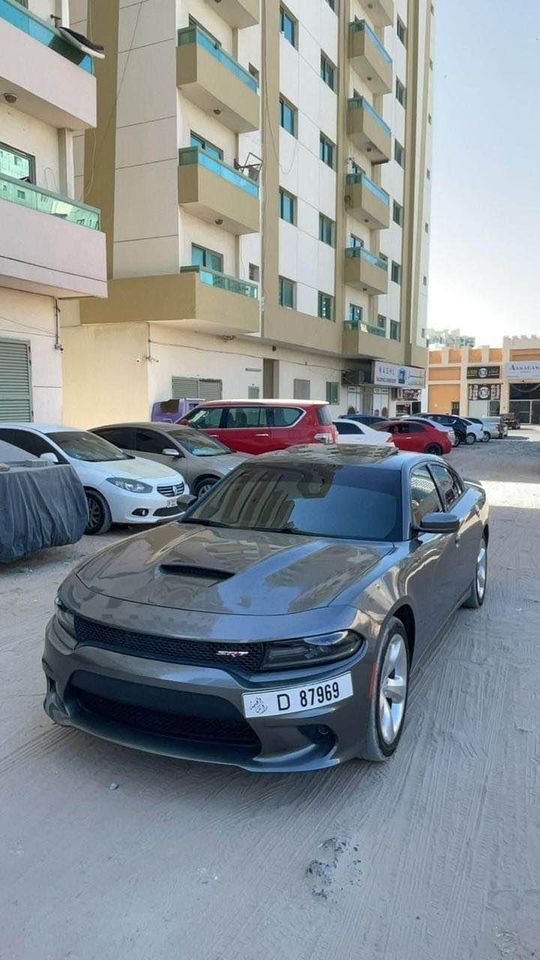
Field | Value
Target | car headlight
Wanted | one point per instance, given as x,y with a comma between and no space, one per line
132,486
64,616
284,654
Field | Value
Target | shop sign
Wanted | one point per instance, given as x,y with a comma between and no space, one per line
392,375
522,370
408,395
483,373
488,391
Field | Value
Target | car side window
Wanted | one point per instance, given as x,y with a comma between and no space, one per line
207,419
150,441
31,442
424,496
413,428
241,418
121,437
448,483
283,416
343,428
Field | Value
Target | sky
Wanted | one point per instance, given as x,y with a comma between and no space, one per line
485,219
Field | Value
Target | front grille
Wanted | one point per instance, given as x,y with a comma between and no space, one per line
189,652
201,729
167,512
174,490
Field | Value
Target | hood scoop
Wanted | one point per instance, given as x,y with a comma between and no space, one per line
209,574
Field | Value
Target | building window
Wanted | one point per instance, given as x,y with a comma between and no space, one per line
355,241
254,272
254,72
399,153
201,257
288,26
17,164
288,116
332,4
301,389
332,391
327,151
326,230
400,92
381,323
395,330
355,316
196,23
253,393
287,293
356,168
455,408
401,31
398,214
328,72
396,272
326,306
287,206
202,144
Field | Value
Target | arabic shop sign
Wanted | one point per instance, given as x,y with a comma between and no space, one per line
483,373
392,375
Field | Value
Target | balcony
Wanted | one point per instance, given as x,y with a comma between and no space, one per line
51,79
367,202
365,271
213,80
50,244
367,340
237,13
381,12
219,194
369,57
193,299
368,131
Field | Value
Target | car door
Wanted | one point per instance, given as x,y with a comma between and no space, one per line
31,442
409,435
246,428
439,554
463,503
123,437
150,444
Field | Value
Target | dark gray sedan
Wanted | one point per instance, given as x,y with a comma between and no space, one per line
275,625
202,460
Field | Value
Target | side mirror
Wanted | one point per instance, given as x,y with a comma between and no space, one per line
186,500
171,452
49,457
439,523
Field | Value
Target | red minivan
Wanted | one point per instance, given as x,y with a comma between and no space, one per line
257,426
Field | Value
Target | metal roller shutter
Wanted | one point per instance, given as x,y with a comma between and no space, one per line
184,388
15,380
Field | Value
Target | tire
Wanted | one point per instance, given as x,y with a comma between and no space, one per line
487,436
470,439
478,587
435,449
378,747
99,515
204,485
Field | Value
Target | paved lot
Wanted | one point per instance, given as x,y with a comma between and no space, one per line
432,856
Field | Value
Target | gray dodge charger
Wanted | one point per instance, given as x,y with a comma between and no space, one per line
274,626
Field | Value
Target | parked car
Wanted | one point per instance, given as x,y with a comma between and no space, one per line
170,411
119,488
368,418
465,431
350,431
41,504
276,630
493,427
434,423
512,420
258,426
417,436
202,460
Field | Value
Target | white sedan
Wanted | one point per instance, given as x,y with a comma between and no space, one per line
350,431
119,488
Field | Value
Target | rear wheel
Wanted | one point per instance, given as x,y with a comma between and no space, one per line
478,587
389,700
435,449
487,436
99,515
470,439
204,485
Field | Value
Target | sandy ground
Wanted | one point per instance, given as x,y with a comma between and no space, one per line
432,856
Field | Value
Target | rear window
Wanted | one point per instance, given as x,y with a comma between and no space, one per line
284,416
241,418
324,416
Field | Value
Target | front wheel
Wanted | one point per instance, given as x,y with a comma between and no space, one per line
470,439
478,588
389,700
204,485
99,515
435,449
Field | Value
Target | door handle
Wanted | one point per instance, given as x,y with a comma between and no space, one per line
262,434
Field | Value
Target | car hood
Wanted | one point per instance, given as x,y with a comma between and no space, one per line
222,463
136,467
217,571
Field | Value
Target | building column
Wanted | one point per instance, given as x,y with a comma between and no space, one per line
66,163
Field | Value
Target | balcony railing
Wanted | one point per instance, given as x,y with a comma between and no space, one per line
364,327
190,155
224,282
377,191
363,27
359,103
37,198
44,32
368,256
196,35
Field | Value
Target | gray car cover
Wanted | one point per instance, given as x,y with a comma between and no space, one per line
40,506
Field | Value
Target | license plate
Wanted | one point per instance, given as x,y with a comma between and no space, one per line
277,703
172,503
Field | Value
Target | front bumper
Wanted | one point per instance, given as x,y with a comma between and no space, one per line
196,713
136,508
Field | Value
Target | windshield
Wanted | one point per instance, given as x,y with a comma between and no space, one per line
348,502
80,445
199,444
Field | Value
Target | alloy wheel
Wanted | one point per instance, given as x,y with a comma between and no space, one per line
95,513
481,571
393,689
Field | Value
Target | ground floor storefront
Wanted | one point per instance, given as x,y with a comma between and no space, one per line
30,358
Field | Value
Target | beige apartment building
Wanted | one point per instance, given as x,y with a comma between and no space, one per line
263,172
52,251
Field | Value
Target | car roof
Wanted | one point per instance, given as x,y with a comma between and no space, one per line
40,427
144,424
263,403
343,455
